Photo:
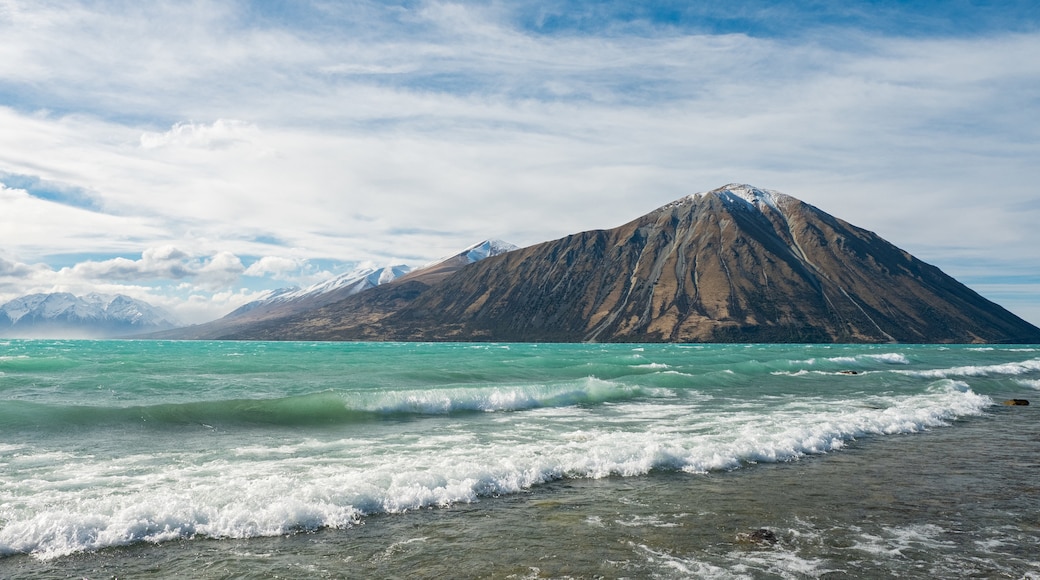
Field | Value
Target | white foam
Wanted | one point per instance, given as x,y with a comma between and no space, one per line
895,540
651,521
782,563
893,358
652,366
688,567
520,397
1006,369
1031,383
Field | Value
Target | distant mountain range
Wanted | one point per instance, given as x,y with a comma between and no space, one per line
63,315
736,264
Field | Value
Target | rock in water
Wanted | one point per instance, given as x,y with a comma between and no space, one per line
1016,402
761,536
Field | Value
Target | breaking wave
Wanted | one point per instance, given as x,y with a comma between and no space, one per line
330,407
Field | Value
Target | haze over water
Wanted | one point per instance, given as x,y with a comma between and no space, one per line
219,459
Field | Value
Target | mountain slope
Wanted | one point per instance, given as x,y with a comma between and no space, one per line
737,264
287,303
331,290
62,315
440,269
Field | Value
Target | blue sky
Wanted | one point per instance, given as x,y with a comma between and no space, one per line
193,154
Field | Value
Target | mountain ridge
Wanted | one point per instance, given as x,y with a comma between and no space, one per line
94,315
735,264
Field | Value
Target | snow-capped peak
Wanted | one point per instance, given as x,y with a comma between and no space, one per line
360,278
486,249
742,193
749,193
476,252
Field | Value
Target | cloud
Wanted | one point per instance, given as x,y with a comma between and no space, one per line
220,134
9,269
274,266
165,263
220,271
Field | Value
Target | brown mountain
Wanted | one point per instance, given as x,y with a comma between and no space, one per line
737,264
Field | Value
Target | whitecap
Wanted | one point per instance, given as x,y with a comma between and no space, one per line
893,358
1011,368
652,366
1031,383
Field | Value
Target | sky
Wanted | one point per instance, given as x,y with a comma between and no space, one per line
195,154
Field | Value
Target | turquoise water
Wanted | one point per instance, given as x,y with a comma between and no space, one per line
115,455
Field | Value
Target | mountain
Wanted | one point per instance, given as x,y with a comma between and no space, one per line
357,280
63,315
287,302
736,264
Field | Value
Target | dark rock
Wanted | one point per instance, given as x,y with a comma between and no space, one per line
1016,402
761,536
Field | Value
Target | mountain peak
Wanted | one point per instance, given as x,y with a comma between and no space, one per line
747,192
736,193
486,249
742,192
471,254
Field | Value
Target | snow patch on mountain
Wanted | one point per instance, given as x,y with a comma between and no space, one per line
361,278
747,196
487,249
477,252
357,280
748,193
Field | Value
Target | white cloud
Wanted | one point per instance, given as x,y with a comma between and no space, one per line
218,135
165,262
277,267
220,271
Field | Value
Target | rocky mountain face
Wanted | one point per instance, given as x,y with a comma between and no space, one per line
737,264
63,315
